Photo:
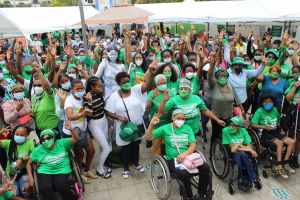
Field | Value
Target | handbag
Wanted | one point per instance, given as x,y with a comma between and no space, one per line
141,127
82,141
190,161
236,110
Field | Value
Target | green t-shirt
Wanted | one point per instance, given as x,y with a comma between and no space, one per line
26,76
23,150
6,73
122,54
45,41
57,160
190,107
56,35
164,119
45,69
196,84
173,86
261,117
139,76
296,95
7,195
249,80
289,82
285,72
241,138
184,136
158,55
44,111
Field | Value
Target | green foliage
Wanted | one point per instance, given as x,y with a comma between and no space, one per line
64,3
94,6
21,4
44,4
6,4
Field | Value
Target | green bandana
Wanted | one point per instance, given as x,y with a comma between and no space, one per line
48,143
184,85
126,86
168,75
184,93
222,81
274,75
222,70
28,69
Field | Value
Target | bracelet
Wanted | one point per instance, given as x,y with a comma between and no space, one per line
41,74
79,115
243,111
22,160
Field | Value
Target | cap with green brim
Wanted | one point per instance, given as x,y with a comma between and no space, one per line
50,131
236,120
273,51
238,61
64,57
129,132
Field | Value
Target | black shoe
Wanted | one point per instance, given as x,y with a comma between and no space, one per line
148,144
295,162
83,165
204,138
104,175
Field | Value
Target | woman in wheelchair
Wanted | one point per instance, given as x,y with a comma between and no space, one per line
238,140
267,118
186,143
53,164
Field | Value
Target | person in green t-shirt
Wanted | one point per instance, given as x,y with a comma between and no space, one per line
238,140
268,118
53,163
189,72
5,190
18,151
191,104
179,142
138,69
172,79
56,35
153,101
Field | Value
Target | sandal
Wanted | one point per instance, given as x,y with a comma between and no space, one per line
139,168
282,173
104,175
125,174
107,169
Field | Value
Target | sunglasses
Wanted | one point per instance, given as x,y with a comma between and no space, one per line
37,85
271,57
47,138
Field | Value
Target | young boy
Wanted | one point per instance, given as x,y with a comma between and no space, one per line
238,140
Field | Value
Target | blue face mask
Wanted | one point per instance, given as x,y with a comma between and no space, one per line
176,39
72,75
19,96
168,60
66,86
172,39
226,37
151,58
238,70
79,94
4,42
166,38
268,107
185,58
133,54
77,39
291,52
34,38
257,58
1,76
176,52
19,139
81,57
2,62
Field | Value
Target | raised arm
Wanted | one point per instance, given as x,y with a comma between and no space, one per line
128,46
19,59
35,54
249,45
258,40
189,41
295,55
145,40
259,78
154,121
182,42
71,50
149,36
45,83
79,68
147,84
75,135
200,65
13,69
291,94
55,80
239,37
52,50
210,71
161,108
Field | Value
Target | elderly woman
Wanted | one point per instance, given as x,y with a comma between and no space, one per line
186,139
223,95
128,105
191,104
172,78
17,108
154,99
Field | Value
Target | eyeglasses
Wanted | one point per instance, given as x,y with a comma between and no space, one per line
37,85
47,138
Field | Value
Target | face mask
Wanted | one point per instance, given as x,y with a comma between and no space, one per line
34,38
43,60
19,139
232,130
189,75
48,143
104,59
247,63
28,69
79,94
176,39
138,62
168,60
176,52
133,54
126,86
2,62
168,75
4,42
172,39
195,64
222,81
238,70
268,107
257,58
271,61
184,93
291,52
226,37
166,38
274,75
72,75
39,90
66,86
210,43
1,76
162,87
133,37
169,44
113,58
179,123
108,40
77,39
151,58
19,96
295,76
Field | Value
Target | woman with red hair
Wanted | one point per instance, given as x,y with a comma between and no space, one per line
273,85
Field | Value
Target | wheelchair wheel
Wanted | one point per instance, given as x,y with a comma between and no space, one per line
256,146
160,177
231,188
265,173
196,178
220,159
36,191
259,184
77,171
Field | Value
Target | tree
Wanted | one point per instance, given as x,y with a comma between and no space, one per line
64,3
21,4
5,4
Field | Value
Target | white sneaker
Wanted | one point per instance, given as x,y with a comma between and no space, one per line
125,174
139,168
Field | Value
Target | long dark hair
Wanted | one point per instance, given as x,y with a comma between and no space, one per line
144,65
91,82
116,49
161,69
63,75
12,151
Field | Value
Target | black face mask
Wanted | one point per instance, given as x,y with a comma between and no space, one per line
195,39
204,74
168,44
43,60
177,60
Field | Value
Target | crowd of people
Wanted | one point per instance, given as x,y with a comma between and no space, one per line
140,85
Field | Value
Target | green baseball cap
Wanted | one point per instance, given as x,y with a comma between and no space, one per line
237,121
273,51
50,131
238,61
129,132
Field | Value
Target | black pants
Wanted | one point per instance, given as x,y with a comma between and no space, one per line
185,177
58,182
3,158
255,101
135,151
38,132
245,105
216,129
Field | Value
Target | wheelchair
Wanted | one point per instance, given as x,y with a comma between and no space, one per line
74,179
222,161
161,178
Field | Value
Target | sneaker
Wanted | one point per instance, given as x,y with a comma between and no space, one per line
125,174
282,174
107,169
90,175
289,169
139,168
295,162
85,179
148,144
104,175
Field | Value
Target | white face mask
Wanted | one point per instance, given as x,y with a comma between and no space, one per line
138,62
39,90
108,40
113,59
195,64
189,75
179,123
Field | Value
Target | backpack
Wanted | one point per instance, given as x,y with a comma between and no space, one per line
288,117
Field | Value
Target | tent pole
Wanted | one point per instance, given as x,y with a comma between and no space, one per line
207,29
284,26
175,27
83,26
289,27
226,26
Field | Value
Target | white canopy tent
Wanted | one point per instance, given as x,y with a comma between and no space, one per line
18,22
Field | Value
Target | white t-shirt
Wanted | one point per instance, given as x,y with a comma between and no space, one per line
135,103
27,84
77,106
38,45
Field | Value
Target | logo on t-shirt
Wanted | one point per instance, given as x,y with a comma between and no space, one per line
182,140
190,110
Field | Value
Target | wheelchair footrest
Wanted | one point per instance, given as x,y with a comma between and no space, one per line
279,162
242,186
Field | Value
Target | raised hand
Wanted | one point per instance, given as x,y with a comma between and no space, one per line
157,49
34,49
62,94
289,40
69,42
295,46
91,54
257,36
263,59
5,131
79,66
192,27
286,35
155,119
93,39
181,27
52,50
250,35
166,95
37,67
18,49
8,183
68,124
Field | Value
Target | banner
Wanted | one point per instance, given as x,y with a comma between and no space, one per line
103,5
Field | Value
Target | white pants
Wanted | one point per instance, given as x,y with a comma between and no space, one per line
99,129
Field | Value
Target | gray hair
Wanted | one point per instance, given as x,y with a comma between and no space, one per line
134,47
158,77
185,83
114,47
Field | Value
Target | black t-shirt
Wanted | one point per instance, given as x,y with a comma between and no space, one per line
97,106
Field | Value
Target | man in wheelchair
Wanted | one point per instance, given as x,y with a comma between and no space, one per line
53,164
238,140
186,143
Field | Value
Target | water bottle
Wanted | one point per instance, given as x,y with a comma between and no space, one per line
13,165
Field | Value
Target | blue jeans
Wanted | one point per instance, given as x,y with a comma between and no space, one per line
245,168
60,126
18,183
205,119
